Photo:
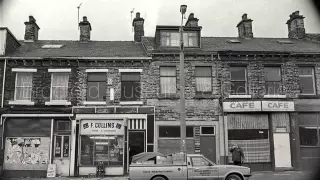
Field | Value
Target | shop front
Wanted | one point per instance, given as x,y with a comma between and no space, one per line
26,144
261,129
102,143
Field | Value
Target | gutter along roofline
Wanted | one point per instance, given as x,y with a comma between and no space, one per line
82,58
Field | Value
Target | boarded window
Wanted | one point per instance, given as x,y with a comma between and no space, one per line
96,87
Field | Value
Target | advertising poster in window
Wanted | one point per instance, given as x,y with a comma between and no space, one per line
66,146
57,149
27,150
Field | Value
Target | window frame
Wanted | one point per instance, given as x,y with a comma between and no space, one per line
124,99
187,33
15,87
280,82
194,157
51,92
313,79
245,80
316,125
205,92
105,92
59,130
214,131
175,68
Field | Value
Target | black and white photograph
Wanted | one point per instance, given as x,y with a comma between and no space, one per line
159,89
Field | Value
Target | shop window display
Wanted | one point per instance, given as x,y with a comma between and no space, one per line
106,149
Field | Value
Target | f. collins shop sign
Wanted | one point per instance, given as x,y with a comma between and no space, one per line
250,106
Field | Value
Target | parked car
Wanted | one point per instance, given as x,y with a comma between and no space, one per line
180,166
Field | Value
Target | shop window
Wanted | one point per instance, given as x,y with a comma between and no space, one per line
203,79
207,130
247,134
62,146
238,80
308,136
59,86
130,86
96,86
63,126
174,131
272,77
23,88
106,149
168,80
307,82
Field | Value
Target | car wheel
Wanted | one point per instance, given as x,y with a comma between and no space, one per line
233,177
158,178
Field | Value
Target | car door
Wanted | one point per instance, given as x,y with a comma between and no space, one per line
200,169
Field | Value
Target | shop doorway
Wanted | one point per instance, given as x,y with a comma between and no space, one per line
208,147
282,152
137,143
61,155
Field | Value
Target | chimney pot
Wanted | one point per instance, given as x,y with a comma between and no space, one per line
192,21
191,16
32,19
244,16
85,19
137,15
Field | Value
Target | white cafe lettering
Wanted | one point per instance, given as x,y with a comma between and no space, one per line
278,105
242,105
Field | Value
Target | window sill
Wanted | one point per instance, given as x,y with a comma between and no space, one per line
239,96
203,96
131,102
168,96
275,96
58,103
21,103
307,96
94,103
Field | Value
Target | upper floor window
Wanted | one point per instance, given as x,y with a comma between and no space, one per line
307,81
272,77
190,39
168,80
238,80
203,79
59,86
23,89
130,86
96,86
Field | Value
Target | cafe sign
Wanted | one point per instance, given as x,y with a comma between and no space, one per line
277,106
242,106
101,127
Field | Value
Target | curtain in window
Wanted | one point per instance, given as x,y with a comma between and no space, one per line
24,86
168,80
203,84
60,86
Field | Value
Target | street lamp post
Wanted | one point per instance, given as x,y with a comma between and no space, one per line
183,9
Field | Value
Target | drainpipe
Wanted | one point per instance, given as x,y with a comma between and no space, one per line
2,100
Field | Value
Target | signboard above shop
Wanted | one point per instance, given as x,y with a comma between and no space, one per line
102,127
242,106
277,106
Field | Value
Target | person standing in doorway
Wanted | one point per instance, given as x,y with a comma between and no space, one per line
237,155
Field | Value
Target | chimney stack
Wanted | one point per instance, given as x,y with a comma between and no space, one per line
85,28
137,24
32,29
295,24
192,21
245,27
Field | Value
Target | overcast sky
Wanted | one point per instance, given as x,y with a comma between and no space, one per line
111,19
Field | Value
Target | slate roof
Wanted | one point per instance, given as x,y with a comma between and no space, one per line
80,49
216,44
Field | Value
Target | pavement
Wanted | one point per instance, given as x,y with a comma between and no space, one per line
267,175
